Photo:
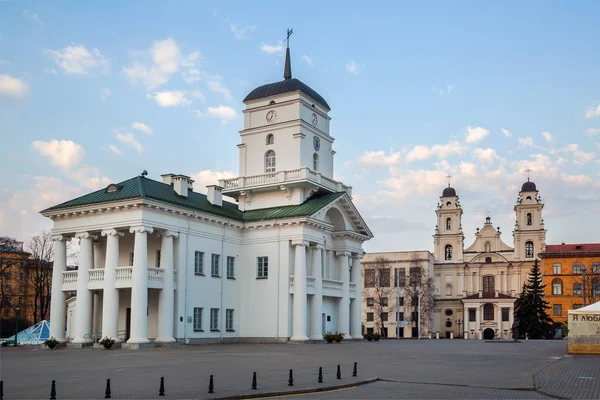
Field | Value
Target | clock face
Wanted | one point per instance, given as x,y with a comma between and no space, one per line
317,143
314,119
272,116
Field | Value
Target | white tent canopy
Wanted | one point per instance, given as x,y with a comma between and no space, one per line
35,334
587,309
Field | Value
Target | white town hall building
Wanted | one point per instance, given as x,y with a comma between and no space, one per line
160,263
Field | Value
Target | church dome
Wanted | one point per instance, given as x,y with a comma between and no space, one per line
449,192
528,187
285,86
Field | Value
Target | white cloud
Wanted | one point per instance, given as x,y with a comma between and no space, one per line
571,148
130,141
172,98
208,177
547,136
33,17
273,49
577,179
49,71
441,151
506,132
105,94
242,33
475,134
114,149
594,111
525,142
592,132
12,87
581,157
198,95
486,156
225,113
64,153
444,90
77,59
140,126
353,68
218,87
308,59
467,169
378,159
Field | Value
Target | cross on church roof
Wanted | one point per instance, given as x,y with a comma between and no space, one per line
449,177
528,170
287,70
287,39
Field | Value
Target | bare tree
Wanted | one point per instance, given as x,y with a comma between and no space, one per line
38,277
380,292
8,262
418,290
590,286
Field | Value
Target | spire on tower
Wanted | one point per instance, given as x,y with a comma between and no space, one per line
287,72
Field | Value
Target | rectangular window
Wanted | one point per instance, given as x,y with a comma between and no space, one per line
472,316
199,263
505,314
577,288
414,315
198,318
370,331
230,267
370,302
131,258
488,284
577,306
558,309
399,277
576,268
384,277
214,319
369,278
400,301
370,316
400,316
415,274
384,302
263,267
556,269
596,267
215,259
229,319
384,316
157,258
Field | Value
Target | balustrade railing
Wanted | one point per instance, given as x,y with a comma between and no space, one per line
124,273
331,284
96,275
70,276
155,274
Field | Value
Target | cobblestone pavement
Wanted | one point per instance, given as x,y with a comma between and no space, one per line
574,377
27,372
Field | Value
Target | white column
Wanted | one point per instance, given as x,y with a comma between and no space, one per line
139,286
300,308
466,323
356,304
477,319
344,302
461,283
166,297
474,282
58,306
83,310
316,309
499,321
506,288
96,327
510,322
110,300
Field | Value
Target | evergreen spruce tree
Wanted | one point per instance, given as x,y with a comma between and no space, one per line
521,315
530,308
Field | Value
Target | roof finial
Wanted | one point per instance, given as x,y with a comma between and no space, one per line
449,179
287,72
528,170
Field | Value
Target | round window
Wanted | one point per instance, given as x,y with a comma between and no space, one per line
448,312
448,324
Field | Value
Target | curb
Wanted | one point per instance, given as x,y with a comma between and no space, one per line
295,392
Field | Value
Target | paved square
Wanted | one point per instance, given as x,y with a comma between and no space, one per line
475,365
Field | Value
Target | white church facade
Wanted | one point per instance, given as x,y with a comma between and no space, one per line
162,263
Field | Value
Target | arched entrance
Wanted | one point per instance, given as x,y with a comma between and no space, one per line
488,334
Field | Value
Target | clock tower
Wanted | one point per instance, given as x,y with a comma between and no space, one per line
285,154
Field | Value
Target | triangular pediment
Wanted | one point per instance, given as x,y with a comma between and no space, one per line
344,217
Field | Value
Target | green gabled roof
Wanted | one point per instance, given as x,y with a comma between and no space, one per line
141,187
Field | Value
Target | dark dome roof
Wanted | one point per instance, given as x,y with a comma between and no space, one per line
285,86
528,187
449,192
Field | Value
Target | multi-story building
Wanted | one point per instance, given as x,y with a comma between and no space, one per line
390,280
564,266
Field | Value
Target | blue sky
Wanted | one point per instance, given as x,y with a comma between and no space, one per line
96,92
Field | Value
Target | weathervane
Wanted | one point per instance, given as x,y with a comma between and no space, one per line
287,39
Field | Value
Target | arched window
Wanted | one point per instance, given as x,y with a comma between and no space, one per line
448,290
488,284
315,162
529,219
448,223
270,161
528,249
488,247
270,138
488,312
448,252
557,286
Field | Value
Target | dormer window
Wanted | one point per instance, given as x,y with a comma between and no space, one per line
270,139
113,187
270,161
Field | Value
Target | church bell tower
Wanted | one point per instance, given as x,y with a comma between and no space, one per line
448,239
529,234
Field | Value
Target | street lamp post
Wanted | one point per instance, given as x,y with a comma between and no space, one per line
583,270
459,323
17,325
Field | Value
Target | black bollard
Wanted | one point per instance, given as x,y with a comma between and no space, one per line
339,373
107,391
211,387
354,372
254,381
1,390
291,380
53,391
161,390
320,375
